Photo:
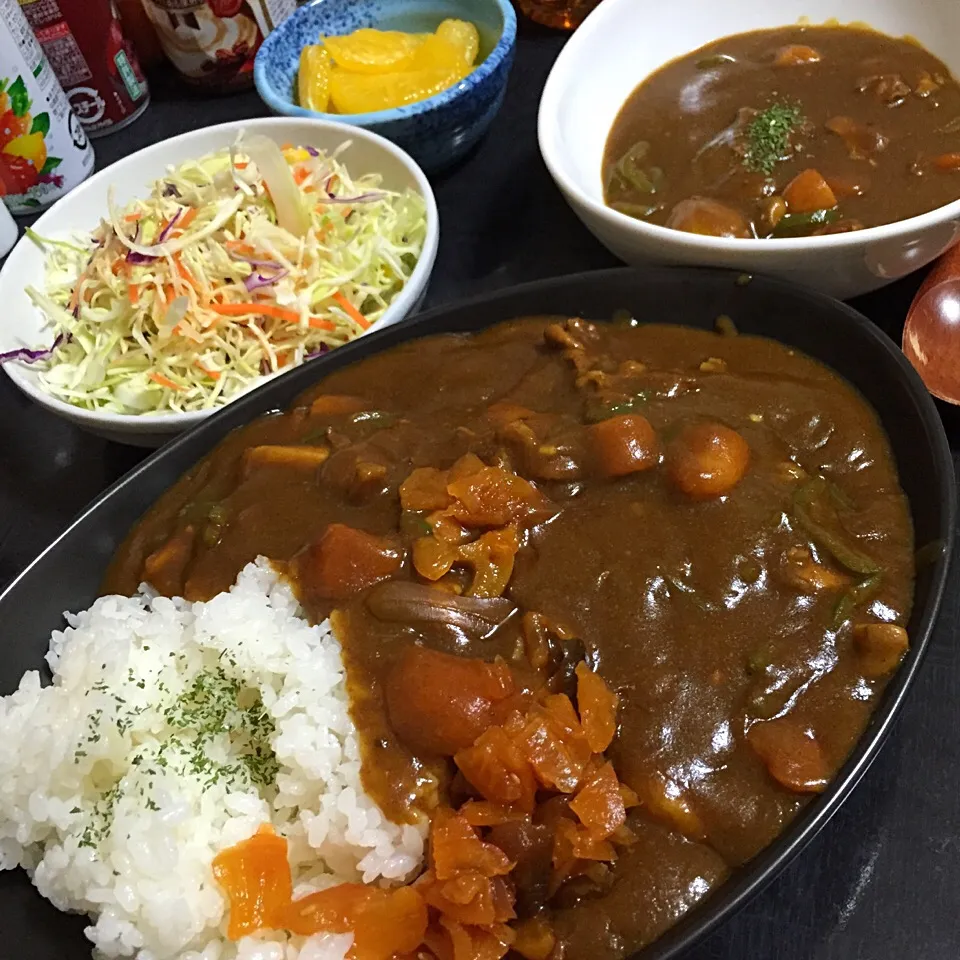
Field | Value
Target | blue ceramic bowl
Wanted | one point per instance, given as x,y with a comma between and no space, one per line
435,132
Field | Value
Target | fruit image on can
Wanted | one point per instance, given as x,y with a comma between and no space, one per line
44,151
23,150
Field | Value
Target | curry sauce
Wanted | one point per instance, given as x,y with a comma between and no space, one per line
796,131
711,522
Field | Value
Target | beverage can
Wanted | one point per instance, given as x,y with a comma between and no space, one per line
44,150
93,60
8,231
139,30
212,43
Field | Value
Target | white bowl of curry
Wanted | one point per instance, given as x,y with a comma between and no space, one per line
766,138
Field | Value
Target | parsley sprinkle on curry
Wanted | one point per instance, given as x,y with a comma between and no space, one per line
768,136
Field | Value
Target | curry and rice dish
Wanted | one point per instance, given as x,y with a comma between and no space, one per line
792,132
515,643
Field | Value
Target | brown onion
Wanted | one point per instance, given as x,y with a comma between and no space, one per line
405,602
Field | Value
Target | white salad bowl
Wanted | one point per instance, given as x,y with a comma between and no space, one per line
22,324
623,41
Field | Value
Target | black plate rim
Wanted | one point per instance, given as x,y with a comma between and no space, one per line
743,885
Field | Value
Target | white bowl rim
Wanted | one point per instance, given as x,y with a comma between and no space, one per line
550,104
175,422
282,104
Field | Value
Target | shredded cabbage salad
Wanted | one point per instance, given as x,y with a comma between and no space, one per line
236,266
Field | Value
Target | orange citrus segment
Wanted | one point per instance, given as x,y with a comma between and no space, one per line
356,93
313,80
436,52
463,37
374,51
370,70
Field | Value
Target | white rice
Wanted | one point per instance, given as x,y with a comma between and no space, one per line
138,859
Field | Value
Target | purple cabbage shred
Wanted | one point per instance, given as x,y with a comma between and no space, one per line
312,151
319,352
25,355
257,280
166,230
138,258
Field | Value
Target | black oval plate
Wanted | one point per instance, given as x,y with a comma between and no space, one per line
67,574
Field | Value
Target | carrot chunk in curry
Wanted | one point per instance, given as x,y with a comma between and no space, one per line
667,802
796,55
334,405
624,444
440,703
534,940
791,755
164,568
947,162
808,192
707,460
344,561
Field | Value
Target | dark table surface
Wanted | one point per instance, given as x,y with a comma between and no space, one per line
882,881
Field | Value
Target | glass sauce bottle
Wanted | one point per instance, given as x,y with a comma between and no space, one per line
563,14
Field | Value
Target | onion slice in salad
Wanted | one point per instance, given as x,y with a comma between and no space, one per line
370,197
176,311
224,212
286,195
263,264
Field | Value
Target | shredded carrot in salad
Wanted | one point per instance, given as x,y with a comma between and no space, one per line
227,272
